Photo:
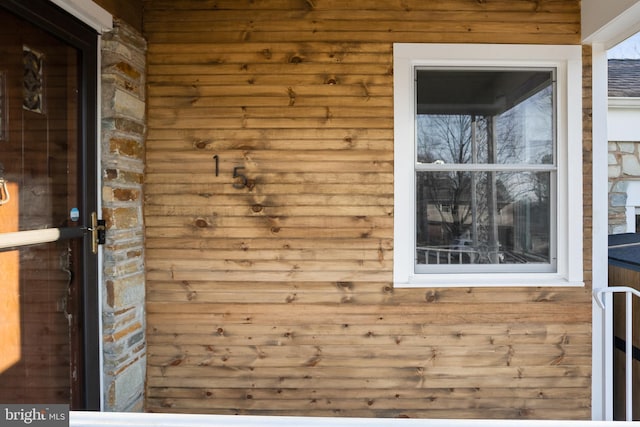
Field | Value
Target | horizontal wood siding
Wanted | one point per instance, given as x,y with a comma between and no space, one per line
277,297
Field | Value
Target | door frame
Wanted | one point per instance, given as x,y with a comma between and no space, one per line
47,16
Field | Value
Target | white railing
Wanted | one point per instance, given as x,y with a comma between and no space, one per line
114,419
447,255
601,301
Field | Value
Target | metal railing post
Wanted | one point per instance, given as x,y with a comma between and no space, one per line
629,293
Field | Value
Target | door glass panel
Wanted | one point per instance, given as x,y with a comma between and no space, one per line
39,82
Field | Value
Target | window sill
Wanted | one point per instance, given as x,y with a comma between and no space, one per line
493,280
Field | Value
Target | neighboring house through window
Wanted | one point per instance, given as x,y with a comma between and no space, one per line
487,165
624,143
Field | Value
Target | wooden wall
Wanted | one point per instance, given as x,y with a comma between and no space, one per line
129,11
277,297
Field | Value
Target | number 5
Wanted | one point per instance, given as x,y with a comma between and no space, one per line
240,179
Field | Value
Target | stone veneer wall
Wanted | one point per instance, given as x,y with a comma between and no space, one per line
123,285
624,167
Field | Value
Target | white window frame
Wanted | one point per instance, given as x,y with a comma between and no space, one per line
567,60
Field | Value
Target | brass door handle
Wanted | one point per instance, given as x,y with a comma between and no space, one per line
98,231
4,190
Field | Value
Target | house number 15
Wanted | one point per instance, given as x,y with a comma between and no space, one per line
240,180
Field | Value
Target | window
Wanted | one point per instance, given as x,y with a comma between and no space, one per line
488,187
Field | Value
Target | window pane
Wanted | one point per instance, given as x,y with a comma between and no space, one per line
525,132
485,116
483,217
451,139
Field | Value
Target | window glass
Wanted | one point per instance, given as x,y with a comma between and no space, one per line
483,217
484,168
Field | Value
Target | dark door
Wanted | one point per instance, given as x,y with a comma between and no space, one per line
48,268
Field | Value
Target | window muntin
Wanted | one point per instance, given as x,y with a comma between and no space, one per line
485,162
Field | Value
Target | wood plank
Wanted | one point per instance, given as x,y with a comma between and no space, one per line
365,14
458,413
254,157
325,28
453,6
400,383
366,394
343,112
273,189
569,35
280,178
190,98
348,314
206,137
269,55
270,244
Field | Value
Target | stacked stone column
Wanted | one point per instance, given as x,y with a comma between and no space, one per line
122,163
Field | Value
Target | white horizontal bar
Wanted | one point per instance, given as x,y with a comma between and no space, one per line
34,237
484,167
122,419
31,237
